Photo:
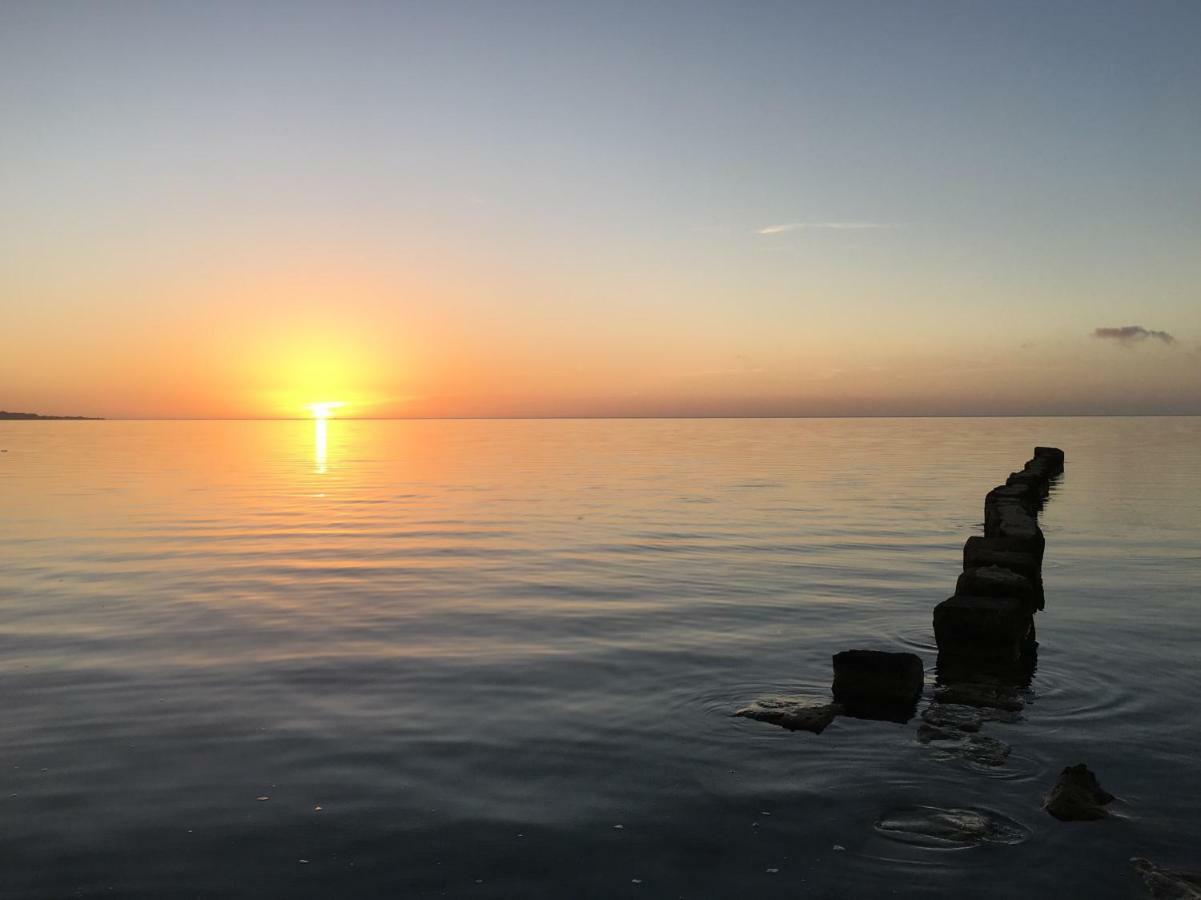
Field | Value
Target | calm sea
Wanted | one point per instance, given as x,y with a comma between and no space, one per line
493,659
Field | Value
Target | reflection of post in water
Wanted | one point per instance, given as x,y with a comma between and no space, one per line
320,444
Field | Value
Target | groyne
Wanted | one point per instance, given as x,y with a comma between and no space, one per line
987,652
990,617
984,631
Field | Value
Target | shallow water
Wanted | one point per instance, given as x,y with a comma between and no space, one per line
480,646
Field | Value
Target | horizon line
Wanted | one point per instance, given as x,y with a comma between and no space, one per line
49,418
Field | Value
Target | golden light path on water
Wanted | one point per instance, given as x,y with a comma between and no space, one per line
321,413
320,444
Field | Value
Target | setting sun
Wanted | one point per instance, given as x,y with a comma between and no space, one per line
324,410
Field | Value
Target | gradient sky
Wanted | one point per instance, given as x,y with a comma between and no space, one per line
503,208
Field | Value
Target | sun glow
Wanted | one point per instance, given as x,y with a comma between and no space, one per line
326,409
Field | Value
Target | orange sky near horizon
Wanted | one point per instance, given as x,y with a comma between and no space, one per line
427,340
270,347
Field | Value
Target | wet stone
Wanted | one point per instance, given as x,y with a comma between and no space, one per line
953,729
984,751
931,826
1167,884
953,716
927,733
793,713
975,748
1077,796
995,696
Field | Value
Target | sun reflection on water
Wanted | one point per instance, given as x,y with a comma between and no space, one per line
321,413
320,444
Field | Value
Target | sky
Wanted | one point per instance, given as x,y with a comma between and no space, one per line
502,208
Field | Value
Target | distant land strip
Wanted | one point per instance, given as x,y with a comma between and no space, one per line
20,415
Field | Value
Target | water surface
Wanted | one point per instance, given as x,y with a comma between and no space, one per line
498,659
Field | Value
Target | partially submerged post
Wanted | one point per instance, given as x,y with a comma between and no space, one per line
873,684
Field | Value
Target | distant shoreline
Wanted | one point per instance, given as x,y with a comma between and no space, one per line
24,415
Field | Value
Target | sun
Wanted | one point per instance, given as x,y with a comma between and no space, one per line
325,410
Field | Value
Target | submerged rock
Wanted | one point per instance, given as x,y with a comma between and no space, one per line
1077,796
930,826
927,733
793,713
977,748
1166,884
953,716
954,727
873,684
982,694
984,750
983,626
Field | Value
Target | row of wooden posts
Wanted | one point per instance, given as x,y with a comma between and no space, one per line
991,615
986,629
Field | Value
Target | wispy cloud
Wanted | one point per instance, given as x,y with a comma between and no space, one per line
1128,335
827,226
